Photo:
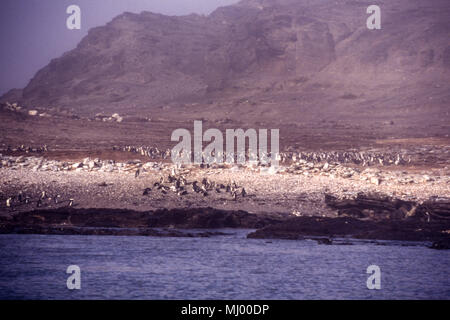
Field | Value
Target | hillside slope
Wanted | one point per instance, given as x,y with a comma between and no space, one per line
268,60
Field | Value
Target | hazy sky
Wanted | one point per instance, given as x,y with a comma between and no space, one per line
32,32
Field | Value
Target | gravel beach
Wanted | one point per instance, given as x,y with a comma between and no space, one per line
94,183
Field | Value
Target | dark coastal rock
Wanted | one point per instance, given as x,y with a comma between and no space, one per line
149,232
380,207
210,218
438,208
327,228
443,244
128,222
301,227
325,241
170,223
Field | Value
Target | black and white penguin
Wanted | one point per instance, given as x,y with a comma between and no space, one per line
195,187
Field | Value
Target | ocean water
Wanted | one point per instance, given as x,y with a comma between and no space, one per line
223,267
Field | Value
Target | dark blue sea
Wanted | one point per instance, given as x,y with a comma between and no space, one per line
222,267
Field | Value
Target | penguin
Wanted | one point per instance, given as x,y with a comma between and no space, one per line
147,191
9,202
137,173
70,202
43,194
196,188
39,203
243,192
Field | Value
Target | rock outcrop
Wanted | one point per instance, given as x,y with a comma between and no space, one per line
301,228
195,218
378,207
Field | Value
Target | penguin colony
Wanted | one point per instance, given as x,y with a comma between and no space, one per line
363,158
360,158
180,186
150,152
43,200
27,149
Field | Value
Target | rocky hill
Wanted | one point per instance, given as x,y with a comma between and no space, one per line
288,60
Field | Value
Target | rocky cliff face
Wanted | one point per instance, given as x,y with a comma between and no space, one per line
300,55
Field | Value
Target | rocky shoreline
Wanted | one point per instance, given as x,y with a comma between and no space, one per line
328,228
160,223
30,183
182,222
134,197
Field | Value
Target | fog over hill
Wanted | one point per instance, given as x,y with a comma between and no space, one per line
277,60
